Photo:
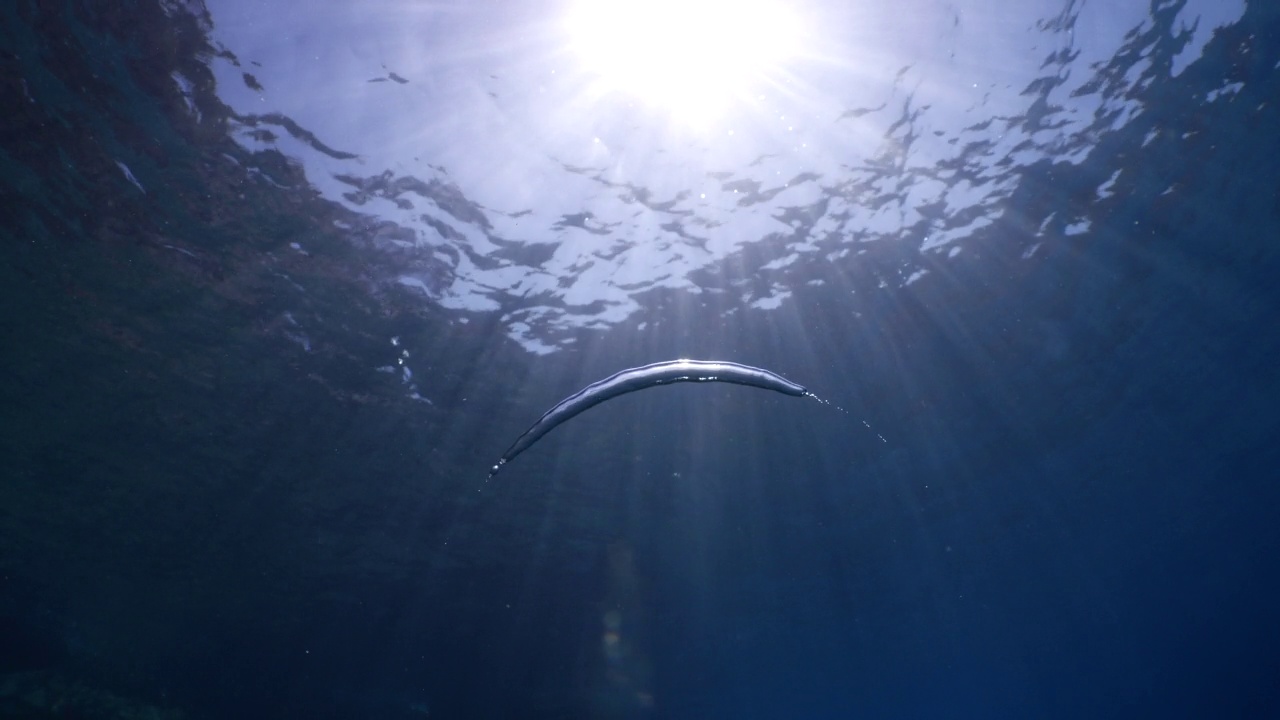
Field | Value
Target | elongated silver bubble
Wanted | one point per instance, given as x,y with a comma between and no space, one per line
663,373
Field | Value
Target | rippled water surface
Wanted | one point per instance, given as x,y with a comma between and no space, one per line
282,281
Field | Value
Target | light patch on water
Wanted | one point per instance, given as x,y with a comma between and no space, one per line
302,340
770,302
1202,20
184,251
187,90
292,283
781,262
950,235
1105,190
1224,91
1077,228
1044,224
128,175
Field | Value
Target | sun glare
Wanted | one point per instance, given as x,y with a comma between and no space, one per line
692,57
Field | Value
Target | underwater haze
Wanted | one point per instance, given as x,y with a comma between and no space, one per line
283,281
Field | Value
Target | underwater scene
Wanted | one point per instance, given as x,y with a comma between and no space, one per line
614,359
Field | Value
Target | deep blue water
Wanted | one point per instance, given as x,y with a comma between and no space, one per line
247,417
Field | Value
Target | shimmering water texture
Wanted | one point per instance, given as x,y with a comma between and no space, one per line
647,376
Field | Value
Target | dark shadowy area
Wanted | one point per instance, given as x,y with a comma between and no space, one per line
1051,492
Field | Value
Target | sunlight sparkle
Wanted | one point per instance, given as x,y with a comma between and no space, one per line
692,57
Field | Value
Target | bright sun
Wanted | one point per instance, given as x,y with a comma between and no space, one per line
692,57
